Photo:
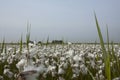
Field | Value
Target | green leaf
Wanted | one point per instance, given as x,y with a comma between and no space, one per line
106,56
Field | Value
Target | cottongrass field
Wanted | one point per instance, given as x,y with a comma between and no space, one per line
60,61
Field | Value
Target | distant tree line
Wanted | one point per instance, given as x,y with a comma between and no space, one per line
53,42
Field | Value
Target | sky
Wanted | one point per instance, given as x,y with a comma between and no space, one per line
70,20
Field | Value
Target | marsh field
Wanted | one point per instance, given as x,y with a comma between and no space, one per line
65,61
58,62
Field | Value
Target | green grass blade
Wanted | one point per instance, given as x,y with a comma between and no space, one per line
47,40
28,35
5,48
100,35
21,42
15,50
91,75
27,41
108,39
3,45
106,56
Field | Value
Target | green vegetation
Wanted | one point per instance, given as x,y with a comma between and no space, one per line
83,61
106,56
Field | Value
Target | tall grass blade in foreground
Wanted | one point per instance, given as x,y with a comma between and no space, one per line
106,56
108,40
108,72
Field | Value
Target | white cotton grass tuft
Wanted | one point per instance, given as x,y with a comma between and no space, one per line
83,69
69,43
101,77
70,53
20,65
41,69
74,76
31,72
28,75
1,77
76,58
65,65
117,78
28,68
61,71
61,78
8,73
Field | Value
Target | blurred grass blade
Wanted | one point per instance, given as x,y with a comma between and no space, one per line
108,39
3,45
5,48
106,56
21,42
62,40
91,75
100,36
28,35
47,40
27,42
15,50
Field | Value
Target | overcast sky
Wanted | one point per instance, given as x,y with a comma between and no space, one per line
71,20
